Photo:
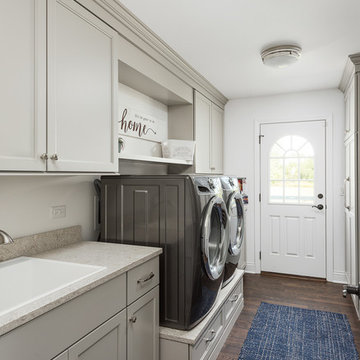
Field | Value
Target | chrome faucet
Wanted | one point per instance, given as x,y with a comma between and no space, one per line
5,238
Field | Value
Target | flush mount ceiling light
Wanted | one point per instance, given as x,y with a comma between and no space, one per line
281,56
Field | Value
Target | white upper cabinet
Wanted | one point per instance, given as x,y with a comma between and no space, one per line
350,110
82,78
208,136
23,85
217,134
202,120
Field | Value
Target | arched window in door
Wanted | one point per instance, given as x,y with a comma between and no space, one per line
291,166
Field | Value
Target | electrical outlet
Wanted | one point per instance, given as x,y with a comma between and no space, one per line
58,212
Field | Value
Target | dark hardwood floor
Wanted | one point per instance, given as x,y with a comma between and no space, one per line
309,294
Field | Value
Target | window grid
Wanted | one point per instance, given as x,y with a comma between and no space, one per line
294,170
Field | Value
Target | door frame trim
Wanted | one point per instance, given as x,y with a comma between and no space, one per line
331,275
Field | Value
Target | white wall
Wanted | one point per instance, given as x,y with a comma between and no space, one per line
240,116
25,203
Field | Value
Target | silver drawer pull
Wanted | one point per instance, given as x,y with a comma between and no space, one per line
212,335
133,319
146,278
234,298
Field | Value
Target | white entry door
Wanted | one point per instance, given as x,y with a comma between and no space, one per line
293,201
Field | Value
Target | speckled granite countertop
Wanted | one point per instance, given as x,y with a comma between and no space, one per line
117,259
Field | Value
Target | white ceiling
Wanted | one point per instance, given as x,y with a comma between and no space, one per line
222,40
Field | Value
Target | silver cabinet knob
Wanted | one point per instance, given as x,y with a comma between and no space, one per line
133,319
54,157
44,156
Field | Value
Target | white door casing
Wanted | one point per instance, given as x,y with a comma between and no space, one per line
292,230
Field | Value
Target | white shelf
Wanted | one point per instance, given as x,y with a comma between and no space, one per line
155,159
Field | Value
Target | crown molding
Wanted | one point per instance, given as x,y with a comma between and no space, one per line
140,35
355,58
352,66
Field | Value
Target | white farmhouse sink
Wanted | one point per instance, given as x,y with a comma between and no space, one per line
25,279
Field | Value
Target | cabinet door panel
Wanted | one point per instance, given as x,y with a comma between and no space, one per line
350,125
82,93
108,341
23,85
143,327
62,356
202,133
217,133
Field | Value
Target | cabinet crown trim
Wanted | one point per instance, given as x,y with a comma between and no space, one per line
137,27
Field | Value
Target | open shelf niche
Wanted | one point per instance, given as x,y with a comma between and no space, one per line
149,88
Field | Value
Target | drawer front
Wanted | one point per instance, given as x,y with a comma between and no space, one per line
209,338
233,300
142,279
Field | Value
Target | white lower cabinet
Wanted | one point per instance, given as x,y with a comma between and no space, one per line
97,325
143,327
205,341
108,341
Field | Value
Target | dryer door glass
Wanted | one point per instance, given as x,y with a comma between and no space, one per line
235,208
214,239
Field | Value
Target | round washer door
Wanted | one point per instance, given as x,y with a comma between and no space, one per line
235,207
214,237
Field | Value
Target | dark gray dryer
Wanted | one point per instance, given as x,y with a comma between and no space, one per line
235,209
185,216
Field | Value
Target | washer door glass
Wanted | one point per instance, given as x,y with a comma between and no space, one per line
214,239
235,208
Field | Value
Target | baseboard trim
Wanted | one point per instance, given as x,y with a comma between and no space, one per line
291,276
251,268
339,277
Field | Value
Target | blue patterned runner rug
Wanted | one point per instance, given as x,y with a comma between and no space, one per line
283,332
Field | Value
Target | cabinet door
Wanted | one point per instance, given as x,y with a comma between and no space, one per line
350,111
23,85
202,133
143,327
108,341
62,356
81,90
217,133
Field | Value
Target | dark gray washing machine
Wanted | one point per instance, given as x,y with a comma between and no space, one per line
185,216
235,208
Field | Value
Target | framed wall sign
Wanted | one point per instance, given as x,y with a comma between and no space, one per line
139,125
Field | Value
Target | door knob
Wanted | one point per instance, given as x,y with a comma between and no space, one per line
319,207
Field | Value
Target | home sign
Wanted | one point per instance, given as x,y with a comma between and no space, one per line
136,124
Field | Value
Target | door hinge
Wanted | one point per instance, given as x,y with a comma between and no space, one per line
260,136
259,197
259,255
